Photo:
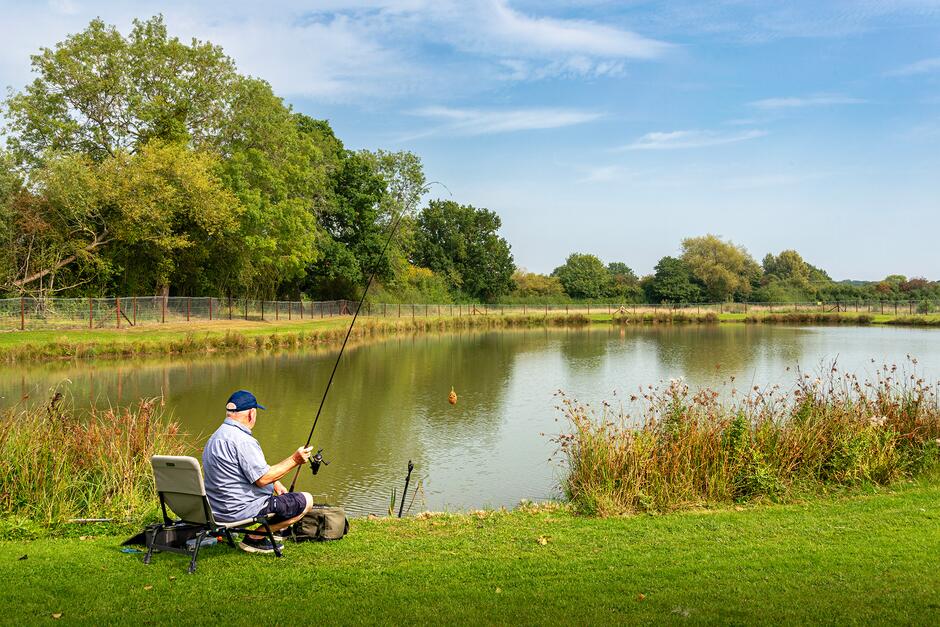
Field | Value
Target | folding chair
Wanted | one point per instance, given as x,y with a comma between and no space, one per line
181,488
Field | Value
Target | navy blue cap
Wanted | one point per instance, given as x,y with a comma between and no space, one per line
242,400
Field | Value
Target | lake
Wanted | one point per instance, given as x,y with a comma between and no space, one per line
389,400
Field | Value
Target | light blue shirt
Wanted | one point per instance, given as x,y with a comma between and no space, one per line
231,462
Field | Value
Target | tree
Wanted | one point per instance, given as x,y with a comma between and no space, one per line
98,93
462,244
106,98
672,282
165,205
724,269
355,233
583,276
534,285
624,284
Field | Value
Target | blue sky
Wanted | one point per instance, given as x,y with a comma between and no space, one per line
616,128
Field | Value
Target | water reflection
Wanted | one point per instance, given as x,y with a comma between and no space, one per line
389,402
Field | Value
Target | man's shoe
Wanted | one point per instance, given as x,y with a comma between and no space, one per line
259,545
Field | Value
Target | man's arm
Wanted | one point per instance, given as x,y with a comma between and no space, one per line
278,470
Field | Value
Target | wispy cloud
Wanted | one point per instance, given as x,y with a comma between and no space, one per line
674,140
924,66
483,122
820,100
602,174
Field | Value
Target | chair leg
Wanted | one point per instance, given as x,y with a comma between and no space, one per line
270,534
192,563
229,538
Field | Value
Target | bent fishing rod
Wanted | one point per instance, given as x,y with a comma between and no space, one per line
317,459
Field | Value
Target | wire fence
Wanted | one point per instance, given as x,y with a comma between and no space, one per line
29,313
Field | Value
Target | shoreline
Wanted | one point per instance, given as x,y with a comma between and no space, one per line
227,336
771,563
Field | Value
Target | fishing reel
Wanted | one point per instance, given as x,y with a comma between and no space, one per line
316,461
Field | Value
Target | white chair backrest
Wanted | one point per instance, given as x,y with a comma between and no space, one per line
179,479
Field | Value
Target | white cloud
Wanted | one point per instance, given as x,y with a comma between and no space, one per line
480,122
809,101
602,174
362,50
673,140
924,66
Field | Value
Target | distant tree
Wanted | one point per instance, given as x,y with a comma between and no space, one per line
583,276
672,282
724,269
624,285
534,285
462,244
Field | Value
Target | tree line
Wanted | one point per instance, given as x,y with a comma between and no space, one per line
139,163
711,269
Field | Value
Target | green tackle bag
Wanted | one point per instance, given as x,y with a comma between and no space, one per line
322,522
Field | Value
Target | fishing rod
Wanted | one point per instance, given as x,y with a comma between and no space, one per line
317,459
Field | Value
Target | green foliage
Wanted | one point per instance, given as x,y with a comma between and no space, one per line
98,93
461,243
723,268
531,285
624,285
583,276
672,282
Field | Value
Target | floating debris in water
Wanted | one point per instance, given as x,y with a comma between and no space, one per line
452,397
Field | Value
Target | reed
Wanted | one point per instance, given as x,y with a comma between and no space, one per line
682,449
810,317
58,463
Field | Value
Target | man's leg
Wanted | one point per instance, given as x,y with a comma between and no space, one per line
277,526
287,511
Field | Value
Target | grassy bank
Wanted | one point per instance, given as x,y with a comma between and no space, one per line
57,464
867,559
233,335
680,448
236,335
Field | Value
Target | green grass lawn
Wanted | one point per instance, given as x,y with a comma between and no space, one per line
865,559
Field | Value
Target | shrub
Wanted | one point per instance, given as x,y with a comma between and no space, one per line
683,449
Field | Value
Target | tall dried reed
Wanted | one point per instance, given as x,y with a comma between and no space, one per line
58,463
682,449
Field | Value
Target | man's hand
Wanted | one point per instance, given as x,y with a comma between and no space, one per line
301,455
279,488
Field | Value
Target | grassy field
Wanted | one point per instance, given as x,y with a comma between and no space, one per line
866,559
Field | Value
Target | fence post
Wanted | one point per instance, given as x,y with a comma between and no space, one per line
277,310
163,309
210,308
189,300
290,310
262,310
412,311
22,313
399,310
229,306
117,310
91,314
135,311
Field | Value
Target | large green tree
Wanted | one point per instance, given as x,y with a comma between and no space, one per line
672,282
583,276
462,244
104,98
725,269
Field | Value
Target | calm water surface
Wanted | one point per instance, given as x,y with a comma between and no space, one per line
389,401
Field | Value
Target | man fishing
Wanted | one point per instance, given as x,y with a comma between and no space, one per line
239,482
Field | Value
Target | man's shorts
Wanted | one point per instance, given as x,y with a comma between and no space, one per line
285,506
